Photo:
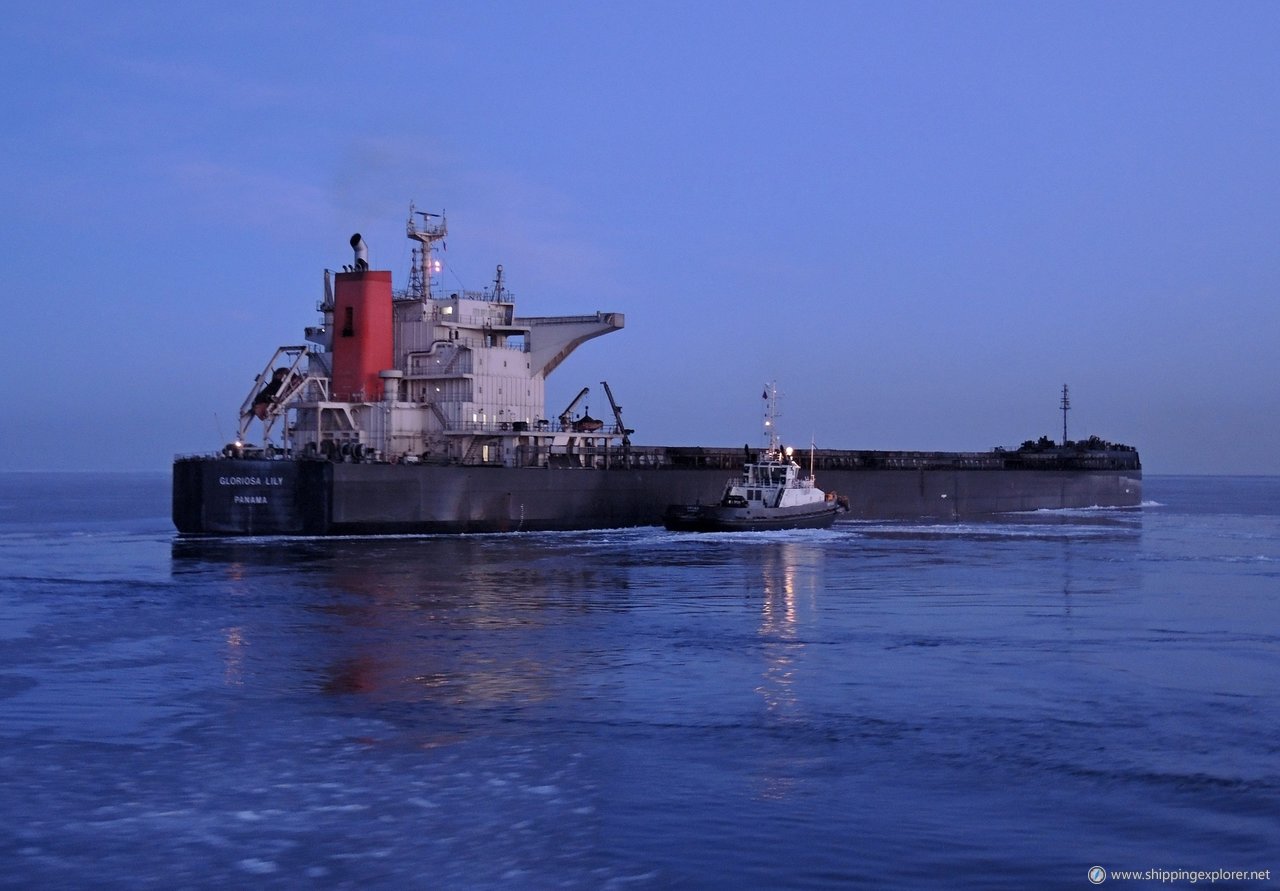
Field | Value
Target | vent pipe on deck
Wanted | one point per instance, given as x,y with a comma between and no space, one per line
391,384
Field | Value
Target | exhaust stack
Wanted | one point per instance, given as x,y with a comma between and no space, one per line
363,336
362,253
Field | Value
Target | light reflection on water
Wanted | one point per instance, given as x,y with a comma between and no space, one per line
903,705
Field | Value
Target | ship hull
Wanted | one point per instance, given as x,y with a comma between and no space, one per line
228,496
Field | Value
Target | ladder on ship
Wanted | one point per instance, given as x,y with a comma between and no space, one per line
476,452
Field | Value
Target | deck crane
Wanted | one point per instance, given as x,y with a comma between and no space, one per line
617,415
585,424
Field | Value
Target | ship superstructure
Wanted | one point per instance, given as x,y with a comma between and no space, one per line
425,374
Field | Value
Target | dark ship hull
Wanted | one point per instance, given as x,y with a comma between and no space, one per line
286,496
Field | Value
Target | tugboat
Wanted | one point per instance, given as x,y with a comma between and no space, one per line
770,494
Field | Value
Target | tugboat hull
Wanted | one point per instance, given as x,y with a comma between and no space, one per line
716,518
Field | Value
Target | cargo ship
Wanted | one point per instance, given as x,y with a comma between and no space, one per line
423,410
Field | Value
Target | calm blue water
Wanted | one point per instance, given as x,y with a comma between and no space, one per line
995,705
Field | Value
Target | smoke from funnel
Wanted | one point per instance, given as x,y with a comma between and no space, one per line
362,253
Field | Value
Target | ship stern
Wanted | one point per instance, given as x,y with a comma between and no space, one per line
239,496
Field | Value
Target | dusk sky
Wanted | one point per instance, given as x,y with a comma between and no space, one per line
920,219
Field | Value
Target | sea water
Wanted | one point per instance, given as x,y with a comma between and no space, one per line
1003,704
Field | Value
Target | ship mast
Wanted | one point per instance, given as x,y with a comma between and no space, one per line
771,415
1065,406
427,234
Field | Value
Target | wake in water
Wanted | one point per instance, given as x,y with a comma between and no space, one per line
1076,523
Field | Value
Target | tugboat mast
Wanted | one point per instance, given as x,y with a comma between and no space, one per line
771,415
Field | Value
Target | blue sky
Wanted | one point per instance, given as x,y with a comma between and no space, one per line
921,219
